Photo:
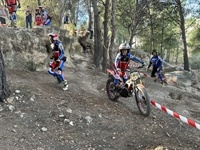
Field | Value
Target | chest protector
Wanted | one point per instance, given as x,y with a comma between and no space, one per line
56,52
123,63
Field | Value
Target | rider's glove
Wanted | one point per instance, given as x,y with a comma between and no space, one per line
51,57
118,69
147,68
143,64
58,60
52,46
19,6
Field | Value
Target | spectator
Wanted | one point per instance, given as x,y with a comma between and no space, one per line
65,19
28,17
38,17
46,19
3,15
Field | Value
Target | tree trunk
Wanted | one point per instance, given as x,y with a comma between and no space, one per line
39,2
135,20
90,15
177,52
62,11
4,91
106,39
113,33
97,36
162,34
75,11
168,55
152,33
182,26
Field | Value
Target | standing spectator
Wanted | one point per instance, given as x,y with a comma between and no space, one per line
28,17
46,19
65,19
38,17
3,15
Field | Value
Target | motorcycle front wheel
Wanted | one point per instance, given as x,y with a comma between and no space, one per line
142,100
111,91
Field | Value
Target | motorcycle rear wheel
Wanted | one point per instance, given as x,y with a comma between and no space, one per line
142,100
111,91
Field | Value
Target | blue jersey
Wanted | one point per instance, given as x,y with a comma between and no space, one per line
156,61
120,58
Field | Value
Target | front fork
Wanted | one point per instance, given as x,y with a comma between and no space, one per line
136,88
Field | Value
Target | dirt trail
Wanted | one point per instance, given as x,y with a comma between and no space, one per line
47,118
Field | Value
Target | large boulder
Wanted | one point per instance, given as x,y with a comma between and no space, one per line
29,49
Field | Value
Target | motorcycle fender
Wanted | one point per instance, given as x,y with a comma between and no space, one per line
110,71
116,76
141,86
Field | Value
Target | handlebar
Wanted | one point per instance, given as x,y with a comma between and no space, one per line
128,70
138,67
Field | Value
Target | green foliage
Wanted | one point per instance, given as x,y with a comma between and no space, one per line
194,38
194,45
124,18
154,25
194,60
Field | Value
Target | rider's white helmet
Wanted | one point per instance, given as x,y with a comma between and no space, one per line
53,37
124,46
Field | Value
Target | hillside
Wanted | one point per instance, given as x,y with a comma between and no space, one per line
39,115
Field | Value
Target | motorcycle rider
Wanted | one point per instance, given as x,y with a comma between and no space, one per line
122,61
59,59
157,63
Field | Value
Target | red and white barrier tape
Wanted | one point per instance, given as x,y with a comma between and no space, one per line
176,115
144,74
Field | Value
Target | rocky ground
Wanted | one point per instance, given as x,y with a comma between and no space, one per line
39,115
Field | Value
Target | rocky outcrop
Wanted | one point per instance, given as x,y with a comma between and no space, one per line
29,49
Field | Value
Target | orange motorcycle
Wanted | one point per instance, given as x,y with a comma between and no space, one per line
133,87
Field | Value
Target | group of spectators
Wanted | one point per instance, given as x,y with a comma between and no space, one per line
9,8
41,17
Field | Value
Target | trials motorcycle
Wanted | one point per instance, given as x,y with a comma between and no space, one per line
133,87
